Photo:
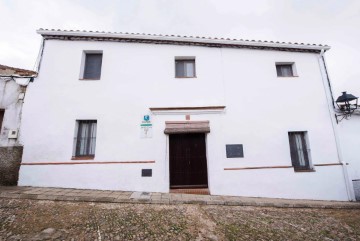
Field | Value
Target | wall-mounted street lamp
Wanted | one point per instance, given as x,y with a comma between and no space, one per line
347,104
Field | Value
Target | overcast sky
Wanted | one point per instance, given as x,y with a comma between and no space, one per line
332,22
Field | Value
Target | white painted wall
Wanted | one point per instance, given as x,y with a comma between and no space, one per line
349,132
9,101
260,110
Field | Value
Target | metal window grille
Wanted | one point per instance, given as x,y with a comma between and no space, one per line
284,70
185,68
299,150
85,138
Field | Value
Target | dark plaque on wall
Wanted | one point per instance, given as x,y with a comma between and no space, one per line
234,150
146,172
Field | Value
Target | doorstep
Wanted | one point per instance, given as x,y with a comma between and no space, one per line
83,195
199,191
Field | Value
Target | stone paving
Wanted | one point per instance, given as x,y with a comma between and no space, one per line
82,195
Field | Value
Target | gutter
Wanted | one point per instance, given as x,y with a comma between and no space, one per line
331,108
184,39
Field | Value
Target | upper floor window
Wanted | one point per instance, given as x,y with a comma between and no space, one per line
85,138
286,70
299,150
91,65
185,67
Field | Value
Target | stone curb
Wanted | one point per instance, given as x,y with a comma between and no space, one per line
103,199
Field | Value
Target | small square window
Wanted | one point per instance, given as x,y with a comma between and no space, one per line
299,150
92,65
285,69
185,68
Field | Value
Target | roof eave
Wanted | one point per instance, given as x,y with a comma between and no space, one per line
182,39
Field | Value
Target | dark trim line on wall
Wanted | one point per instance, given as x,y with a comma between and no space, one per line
328,164
250,168
187,108
81,163
273,167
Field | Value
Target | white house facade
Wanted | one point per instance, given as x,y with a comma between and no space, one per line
153,113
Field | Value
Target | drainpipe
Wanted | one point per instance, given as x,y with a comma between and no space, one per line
331,108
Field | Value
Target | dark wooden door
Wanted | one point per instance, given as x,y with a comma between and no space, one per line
188,167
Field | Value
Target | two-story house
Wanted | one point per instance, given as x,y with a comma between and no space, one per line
156,113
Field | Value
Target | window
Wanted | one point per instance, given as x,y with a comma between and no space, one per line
285,69
2,112
92,66
300,153
185,68
85,138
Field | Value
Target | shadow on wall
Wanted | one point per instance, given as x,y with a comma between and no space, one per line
10,159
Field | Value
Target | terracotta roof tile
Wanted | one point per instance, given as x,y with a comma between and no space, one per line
7,70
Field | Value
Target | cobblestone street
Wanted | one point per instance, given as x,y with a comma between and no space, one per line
23,219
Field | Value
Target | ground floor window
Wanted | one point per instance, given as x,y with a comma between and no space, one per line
299,150
2,112
85,138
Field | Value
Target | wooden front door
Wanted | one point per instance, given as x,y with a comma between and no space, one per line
188,166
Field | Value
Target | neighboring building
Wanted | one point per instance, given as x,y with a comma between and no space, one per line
150,112
349,133
13,83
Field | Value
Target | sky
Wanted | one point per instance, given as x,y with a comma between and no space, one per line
332,22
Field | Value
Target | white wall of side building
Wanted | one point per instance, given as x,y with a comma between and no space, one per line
261,109
10,103
349,133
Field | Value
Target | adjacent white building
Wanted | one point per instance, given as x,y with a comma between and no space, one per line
349,133
13,83
153,113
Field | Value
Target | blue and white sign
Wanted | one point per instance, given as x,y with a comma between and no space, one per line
146,127
146,118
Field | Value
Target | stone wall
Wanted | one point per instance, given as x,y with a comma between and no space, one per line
10,159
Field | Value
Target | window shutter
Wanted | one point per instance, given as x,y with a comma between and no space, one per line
92,66
305,152
284,70
2,112
180,68
293,150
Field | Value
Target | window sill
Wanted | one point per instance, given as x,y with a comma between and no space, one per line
305,170
89,79
83,158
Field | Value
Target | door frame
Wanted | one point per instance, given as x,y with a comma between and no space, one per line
167,161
